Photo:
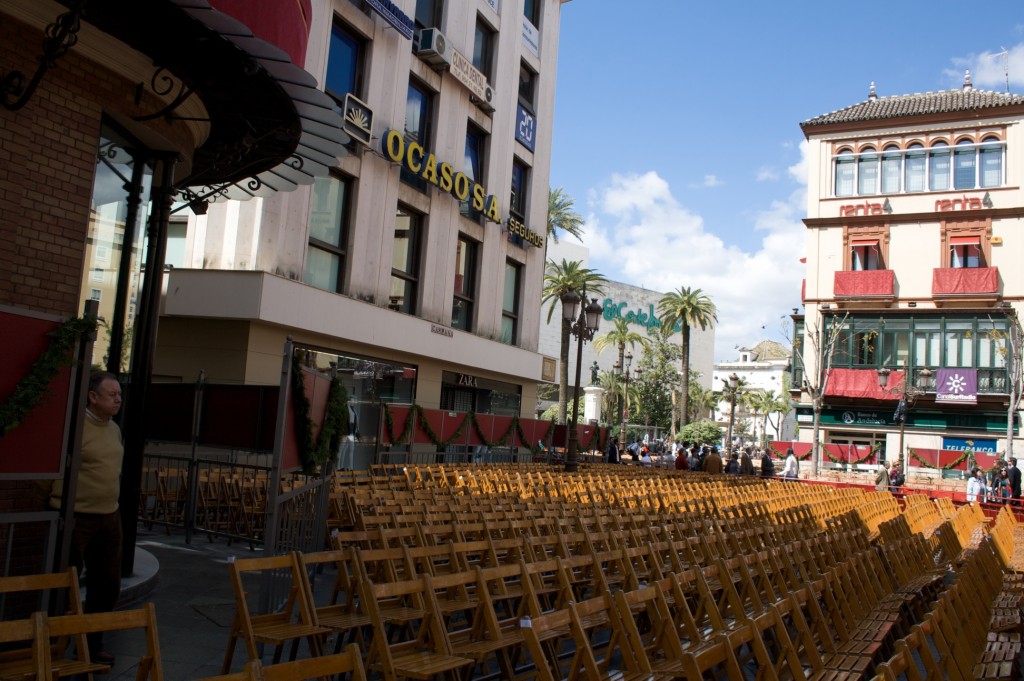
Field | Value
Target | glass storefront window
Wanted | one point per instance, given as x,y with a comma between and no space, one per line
115,249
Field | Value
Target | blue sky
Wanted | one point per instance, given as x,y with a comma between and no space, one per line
677,128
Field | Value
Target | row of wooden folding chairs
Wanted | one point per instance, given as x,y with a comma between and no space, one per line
1004,535
957,638
36,657
580,574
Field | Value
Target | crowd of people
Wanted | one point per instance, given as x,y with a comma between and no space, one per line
999,485
688,456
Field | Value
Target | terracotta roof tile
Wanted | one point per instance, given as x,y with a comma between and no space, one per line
900,106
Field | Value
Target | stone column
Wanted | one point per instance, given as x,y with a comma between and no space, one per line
592,403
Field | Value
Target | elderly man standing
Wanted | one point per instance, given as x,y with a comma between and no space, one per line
96,529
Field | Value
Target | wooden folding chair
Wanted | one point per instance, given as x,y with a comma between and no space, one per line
345,618
348,662
149,665
65,585
424,655
31,642
293,621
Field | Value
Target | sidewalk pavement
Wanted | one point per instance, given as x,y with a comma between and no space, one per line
190,588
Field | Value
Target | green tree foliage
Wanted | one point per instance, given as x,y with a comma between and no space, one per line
702,432
562,215
559,279
658,378
689,308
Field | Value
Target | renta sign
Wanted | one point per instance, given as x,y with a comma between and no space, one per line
417,160
941,206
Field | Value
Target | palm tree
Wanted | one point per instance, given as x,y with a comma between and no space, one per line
621,336
702,402
688,308
561,215
558,280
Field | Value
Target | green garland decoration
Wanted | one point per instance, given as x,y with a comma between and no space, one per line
874,450
418,415
33,388
315,452
960,459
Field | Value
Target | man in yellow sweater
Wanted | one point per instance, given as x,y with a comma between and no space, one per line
96,533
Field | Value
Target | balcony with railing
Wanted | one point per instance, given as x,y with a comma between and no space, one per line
965,282
874,284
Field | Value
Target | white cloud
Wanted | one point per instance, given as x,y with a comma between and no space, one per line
645,236
712,181
767,174
798,171
989,69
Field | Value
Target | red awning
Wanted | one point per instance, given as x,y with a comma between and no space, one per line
965,241
862,383
864,242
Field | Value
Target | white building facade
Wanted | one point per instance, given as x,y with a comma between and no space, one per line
420,259
915,226
761,368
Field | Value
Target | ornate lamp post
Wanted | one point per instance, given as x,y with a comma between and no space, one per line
584,325
908,393
732,386
623,373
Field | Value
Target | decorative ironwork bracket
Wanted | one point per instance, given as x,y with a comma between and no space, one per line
61,36
161,84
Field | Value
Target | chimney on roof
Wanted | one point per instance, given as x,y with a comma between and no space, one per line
871,91
967,81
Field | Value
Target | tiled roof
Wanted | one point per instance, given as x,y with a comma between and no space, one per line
768,349
900,106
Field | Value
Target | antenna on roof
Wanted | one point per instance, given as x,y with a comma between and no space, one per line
1005,54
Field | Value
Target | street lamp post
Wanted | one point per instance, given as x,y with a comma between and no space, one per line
584,325
908,393
628,359
731,386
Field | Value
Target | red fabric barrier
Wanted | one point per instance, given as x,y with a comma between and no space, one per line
860,454
864,283
862,383
951,281
799,448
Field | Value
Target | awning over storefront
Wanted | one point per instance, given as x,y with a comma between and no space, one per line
861,383
864,242
271,128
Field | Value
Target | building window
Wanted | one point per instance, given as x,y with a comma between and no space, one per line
520,178
325,260
428,13
510,304
845,171
527,87
915,166
867,172
991,153
892,167
95,294
865,255
473,168
418,114
483,48
465,284
405,262
965,251
938,167
964,165
344,64
959,344
531,9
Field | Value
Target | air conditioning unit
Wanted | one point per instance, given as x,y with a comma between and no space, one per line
433,48
487,103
